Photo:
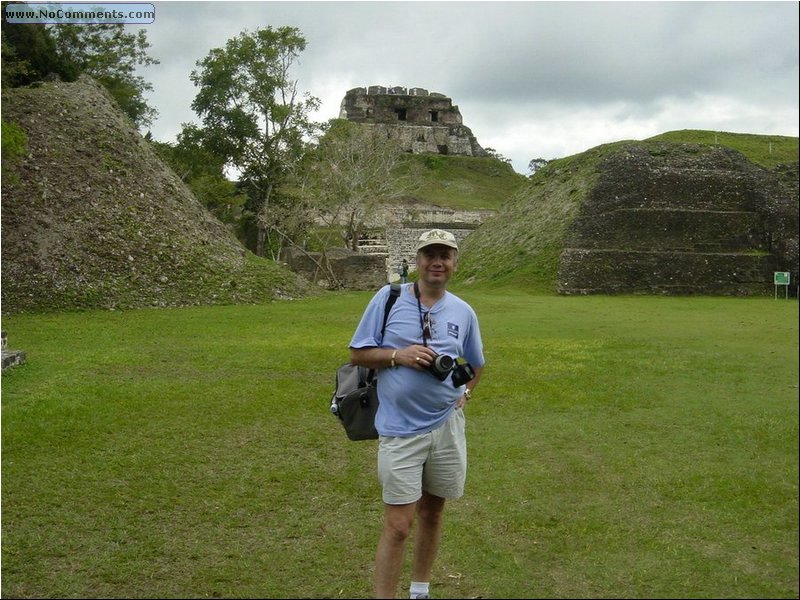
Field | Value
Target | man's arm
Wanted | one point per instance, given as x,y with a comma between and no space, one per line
382,358
470,386
474,381
372,358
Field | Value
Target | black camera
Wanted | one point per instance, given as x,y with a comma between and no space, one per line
462,373
443,365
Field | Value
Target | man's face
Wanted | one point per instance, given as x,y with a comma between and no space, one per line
436,263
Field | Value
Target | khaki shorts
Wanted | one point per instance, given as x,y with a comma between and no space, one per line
435,462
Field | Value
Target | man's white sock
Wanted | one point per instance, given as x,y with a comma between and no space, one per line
418,588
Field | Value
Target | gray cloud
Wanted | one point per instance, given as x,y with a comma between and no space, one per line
568,75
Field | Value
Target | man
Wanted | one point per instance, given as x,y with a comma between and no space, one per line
422,455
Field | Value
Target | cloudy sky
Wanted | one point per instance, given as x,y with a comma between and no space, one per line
532,79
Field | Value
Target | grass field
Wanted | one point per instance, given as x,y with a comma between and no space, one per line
639,447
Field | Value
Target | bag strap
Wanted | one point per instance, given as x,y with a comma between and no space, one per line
394,292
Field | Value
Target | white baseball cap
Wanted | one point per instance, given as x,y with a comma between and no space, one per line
437,236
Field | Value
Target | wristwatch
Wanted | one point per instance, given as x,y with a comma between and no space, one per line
467,393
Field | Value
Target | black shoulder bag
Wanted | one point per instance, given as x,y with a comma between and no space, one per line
355,400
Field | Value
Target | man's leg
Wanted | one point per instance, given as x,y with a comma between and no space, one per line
427,536
397,522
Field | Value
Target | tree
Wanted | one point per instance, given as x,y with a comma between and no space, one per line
536,164
495,154
252,113
32,52
203,172
354,168
110,55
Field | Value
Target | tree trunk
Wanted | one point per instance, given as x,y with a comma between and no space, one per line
260,237
262,229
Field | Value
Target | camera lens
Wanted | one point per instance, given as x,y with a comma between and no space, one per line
444,363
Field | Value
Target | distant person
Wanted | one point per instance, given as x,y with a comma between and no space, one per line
404,271
422,450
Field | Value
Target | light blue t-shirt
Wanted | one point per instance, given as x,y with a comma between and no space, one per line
412,401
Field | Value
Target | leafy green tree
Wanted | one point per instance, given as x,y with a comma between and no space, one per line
254,116
220,196
203,172
32,52
190,156
110,54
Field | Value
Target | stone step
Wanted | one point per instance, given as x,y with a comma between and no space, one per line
615,271
11,357
375,244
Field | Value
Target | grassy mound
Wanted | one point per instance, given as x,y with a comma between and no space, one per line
92,218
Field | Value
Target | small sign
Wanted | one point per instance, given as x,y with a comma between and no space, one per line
781,278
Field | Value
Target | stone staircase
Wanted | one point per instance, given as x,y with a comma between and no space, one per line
373,243
11,357
678,220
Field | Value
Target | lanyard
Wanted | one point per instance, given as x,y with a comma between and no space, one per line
421,319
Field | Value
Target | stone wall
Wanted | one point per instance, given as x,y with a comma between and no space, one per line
394,231
668,229
352,270
680,219
419,214
391,235
377,261
402,244
378,104
608,271
423,122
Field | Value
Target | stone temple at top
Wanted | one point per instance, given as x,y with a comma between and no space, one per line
424,122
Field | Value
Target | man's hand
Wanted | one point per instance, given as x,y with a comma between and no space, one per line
415,357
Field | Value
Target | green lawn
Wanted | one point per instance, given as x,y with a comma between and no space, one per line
619,447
